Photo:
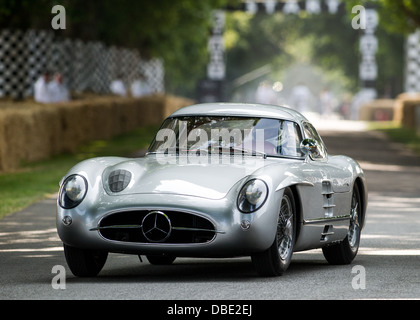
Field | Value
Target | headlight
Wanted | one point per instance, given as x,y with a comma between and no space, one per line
73,191
252,196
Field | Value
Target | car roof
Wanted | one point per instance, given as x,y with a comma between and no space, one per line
242,110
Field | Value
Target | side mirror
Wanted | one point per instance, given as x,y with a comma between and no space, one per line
309,147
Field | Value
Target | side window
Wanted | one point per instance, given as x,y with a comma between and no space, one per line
310,132
290,139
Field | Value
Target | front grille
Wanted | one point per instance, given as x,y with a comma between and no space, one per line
182,228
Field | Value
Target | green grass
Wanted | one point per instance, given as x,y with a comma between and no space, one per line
397,133
35,181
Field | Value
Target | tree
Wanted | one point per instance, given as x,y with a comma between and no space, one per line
176,31
325,40
397,16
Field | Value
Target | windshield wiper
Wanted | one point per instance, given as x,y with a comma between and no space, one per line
252,152
218,150
172,151
245,151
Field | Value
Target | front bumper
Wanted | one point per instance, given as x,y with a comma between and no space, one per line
230,238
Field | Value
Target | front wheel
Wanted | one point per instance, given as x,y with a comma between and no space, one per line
83,262
276,259
345,251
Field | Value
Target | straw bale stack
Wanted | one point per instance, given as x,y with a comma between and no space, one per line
405,110
33,131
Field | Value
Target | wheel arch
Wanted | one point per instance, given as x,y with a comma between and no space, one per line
299,211
363,197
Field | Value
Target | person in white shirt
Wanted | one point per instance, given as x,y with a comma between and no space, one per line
140,87
301,98
41,90
47,91
117,87
265,94
57,90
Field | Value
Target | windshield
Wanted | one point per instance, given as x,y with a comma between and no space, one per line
251,136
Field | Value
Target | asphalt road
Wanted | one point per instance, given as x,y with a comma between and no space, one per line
387,266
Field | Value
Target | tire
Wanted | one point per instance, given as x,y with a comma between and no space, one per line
161,260
84,263
276,259
345,251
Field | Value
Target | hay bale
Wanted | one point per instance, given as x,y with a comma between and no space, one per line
30,131
405,109
377,110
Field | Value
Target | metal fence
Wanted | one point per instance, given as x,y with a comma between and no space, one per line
85,66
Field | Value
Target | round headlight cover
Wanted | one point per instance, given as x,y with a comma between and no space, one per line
73,191
252,196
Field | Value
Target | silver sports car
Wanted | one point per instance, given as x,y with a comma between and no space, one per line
219,180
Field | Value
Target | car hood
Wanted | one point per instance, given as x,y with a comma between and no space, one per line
179,175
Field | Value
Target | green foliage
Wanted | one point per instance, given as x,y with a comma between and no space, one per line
24,13
335,43
257,40
397,133
391,63
402,16
281,40
325,40
397,16
176,31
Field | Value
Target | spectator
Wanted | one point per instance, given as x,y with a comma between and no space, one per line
327,102
140,87
265,94
117,87
41,90
300,98
57,90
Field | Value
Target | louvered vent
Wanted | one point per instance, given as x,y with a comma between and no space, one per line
118,180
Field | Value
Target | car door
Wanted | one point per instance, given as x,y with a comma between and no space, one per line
321,175
332,191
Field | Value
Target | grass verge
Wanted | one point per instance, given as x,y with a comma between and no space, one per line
397,133
34,181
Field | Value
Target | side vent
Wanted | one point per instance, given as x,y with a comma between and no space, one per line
328,194
328,231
